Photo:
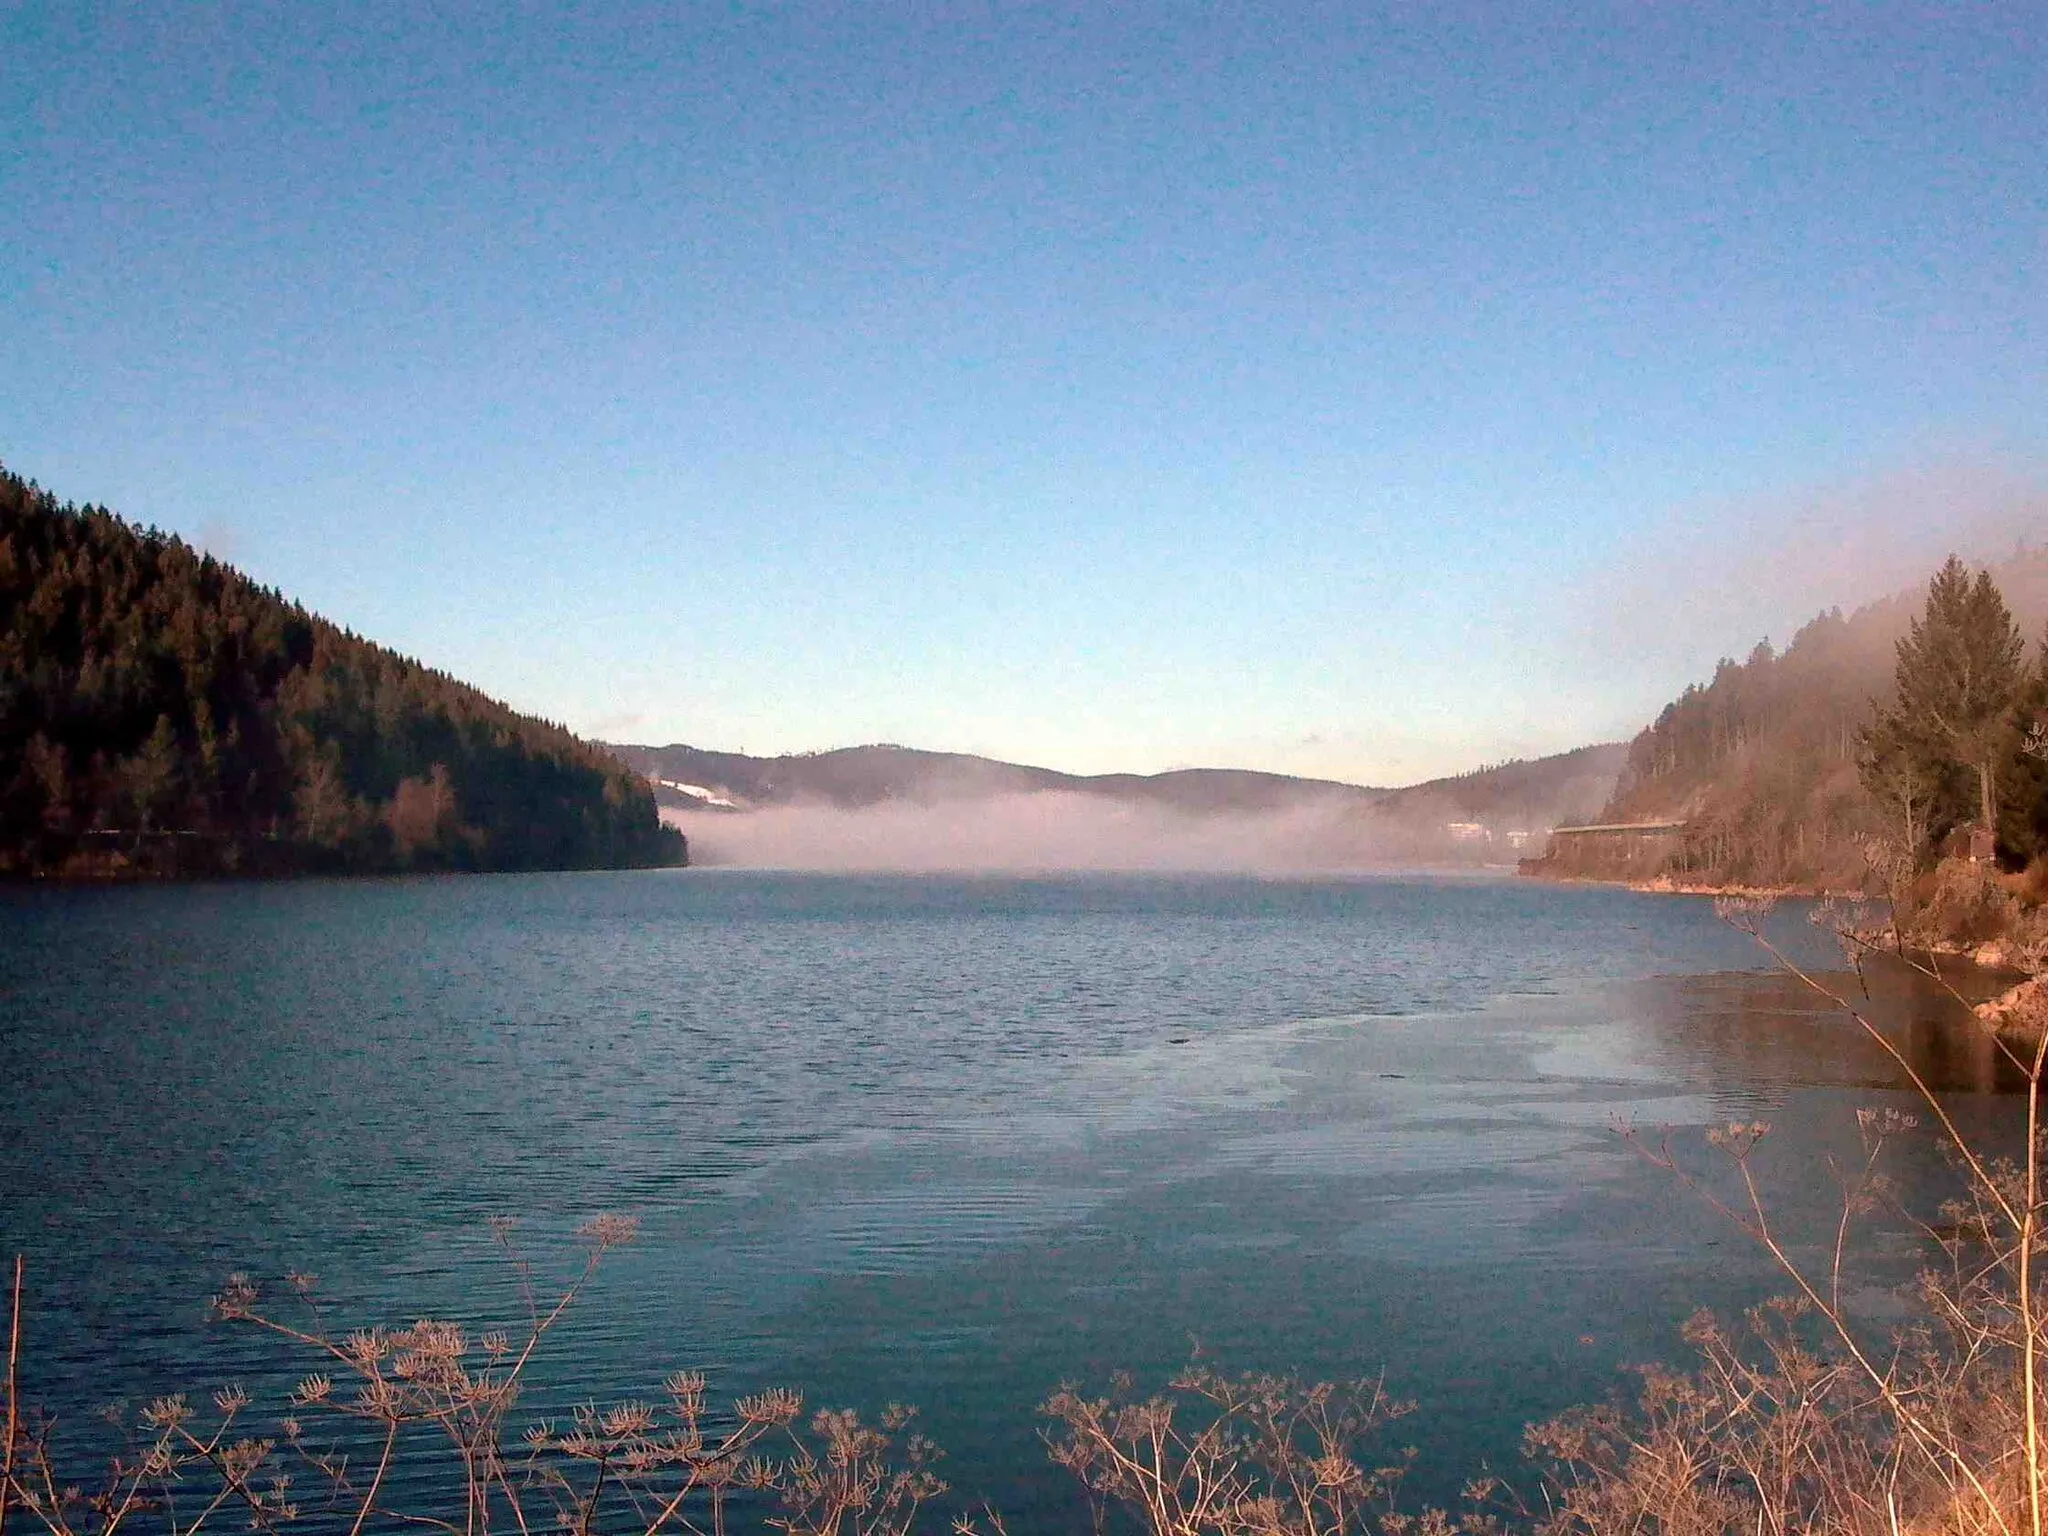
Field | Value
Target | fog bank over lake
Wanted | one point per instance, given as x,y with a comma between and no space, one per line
1036,833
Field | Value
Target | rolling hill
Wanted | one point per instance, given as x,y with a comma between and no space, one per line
936,802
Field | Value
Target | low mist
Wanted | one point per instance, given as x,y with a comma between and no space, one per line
1045,833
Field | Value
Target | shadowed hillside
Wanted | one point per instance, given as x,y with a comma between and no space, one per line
162,714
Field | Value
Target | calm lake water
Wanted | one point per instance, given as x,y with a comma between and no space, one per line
932,1140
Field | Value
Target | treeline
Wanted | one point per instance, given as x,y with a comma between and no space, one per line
1760,762
1786,767
161,713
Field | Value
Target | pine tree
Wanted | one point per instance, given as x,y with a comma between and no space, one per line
152,776
1960,673
1902,770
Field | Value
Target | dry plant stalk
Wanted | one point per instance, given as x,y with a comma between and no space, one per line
1252,1455
1804,1419
382,1394
13,1411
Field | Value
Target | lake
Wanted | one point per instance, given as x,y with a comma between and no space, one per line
945,1141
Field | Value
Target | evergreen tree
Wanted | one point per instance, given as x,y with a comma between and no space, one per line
2023,786
1902,770
1960,673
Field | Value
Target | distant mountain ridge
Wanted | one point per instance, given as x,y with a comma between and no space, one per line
1463,818
858,778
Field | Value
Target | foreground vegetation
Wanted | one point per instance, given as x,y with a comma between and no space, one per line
1803,1416
161,713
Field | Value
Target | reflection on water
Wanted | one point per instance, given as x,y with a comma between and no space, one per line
946,1141
1771,1030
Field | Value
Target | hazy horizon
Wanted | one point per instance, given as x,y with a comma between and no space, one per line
1050,832
1044,833
955,818
1153,773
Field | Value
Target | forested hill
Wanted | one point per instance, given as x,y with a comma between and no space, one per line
1485,816
161,713
1761,762
861,778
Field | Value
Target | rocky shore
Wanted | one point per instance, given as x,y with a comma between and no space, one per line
2018,1015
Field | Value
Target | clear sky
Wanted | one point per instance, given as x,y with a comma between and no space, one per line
1367,391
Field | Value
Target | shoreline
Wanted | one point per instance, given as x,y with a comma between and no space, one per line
1994,954
1667,885
2018,1016
105,878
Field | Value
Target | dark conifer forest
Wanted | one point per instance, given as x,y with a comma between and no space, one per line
162,714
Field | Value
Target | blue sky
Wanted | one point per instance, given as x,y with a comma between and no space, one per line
1368,391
